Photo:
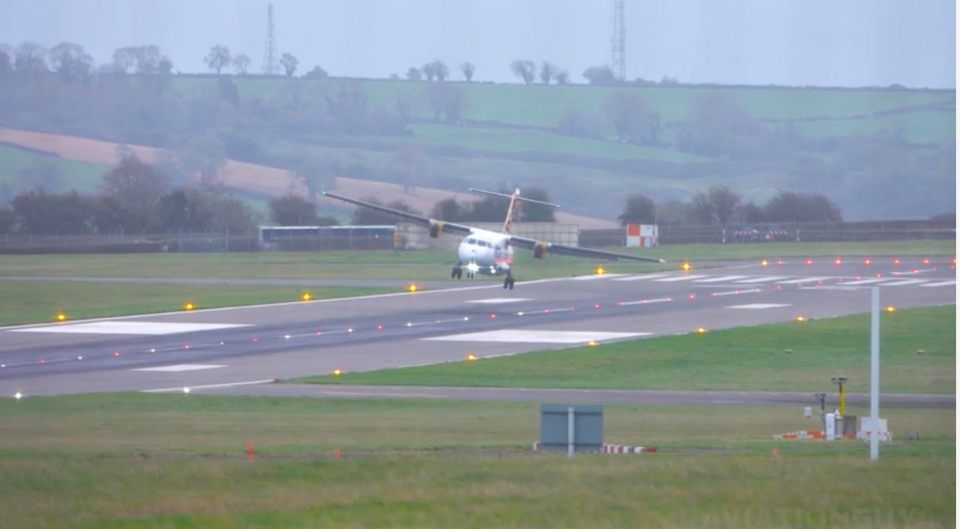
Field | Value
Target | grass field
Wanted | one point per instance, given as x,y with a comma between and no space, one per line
36,301
83,177
423,265
137,461
742,359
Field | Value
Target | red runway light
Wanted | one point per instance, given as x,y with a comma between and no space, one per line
596,305
896,260
116,354
379,327
838,261
867,261
493,316
925,261
691,296
808,261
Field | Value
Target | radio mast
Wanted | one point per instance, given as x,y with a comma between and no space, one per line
618,42
270,64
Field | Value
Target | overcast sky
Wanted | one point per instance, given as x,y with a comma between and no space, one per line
783,42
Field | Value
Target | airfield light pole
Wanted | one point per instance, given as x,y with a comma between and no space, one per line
874,373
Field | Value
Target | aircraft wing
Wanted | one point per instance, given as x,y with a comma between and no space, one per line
436,226
563,249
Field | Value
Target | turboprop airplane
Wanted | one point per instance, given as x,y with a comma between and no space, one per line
489,252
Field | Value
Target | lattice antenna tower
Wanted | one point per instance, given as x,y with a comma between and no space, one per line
270,64
618,42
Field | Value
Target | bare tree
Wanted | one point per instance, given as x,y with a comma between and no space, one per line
441,70
632,118
599,75
429,70
289,63
241,63
548,71
147,59
30,58
717,205
218,58
526,70
468,68
70,61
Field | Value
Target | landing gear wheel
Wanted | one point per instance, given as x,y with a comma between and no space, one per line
456,273
508,282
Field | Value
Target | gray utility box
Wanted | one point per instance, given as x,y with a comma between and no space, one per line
555,427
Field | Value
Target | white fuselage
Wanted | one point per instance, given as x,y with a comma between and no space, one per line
485,252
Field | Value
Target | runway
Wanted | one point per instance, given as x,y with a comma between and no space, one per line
237,349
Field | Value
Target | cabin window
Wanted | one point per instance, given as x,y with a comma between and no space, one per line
482,243
471,241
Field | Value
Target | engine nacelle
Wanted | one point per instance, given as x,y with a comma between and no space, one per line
540,250
436,228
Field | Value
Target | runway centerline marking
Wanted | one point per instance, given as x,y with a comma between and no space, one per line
763,279
640,277
805,280
497,300
679,278
645,301
904,282
151,328
179,368
537,336
760,306
719,279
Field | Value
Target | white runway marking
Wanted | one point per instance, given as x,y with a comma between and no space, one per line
763,279
178,368
597,276
646,301
941,284
904,282
760,306
209,386
537,336
679,278
804,280
129,327
493,301
639,277
863,282
719,279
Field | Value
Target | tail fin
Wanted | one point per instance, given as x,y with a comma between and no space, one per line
512,208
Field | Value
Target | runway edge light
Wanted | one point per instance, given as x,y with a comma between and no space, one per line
60,316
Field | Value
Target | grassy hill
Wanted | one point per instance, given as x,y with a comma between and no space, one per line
878,153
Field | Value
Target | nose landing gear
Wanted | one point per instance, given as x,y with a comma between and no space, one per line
508,282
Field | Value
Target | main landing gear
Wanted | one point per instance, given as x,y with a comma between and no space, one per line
457,273
508,282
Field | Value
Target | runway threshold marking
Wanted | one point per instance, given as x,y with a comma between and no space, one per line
679,278
762,279
537,336
719,279
804,280
639,277
129,327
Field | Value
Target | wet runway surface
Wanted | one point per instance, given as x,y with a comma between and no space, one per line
236,349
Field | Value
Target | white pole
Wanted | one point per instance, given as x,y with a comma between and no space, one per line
571,432
875,374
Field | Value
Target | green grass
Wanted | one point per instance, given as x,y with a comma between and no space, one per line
503,140
132,461
40,301
81,176
422,265
742,359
